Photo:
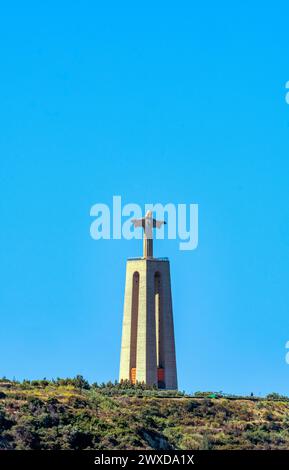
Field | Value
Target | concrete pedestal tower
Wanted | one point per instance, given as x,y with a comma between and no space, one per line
148,344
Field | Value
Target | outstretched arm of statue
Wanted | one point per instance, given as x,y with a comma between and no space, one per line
138,222
159,223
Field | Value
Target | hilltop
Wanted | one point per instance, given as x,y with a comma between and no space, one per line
71,414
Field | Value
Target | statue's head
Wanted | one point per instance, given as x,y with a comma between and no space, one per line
149,214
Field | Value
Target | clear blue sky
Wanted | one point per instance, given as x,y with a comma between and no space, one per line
89,92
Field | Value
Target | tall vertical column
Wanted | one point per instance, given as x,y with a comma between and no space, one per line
169,353
146,352
126,342
159,272
148,343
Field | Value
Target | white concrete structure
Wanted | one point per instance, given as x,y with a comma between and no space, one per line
148,345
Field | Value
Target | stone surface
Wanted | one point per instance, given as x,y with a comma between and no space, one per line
148,343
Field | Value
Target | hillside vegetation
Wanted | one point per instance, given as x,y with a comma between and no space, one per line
71,414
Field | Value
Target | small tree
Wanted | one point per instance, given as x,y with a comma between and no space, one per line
80,382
